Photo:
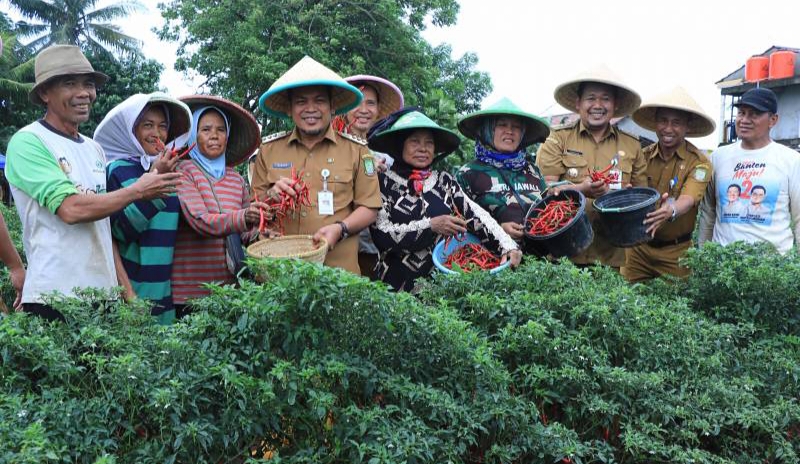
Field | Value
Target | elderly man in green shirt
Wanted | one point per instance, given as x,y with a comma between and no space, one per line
58,180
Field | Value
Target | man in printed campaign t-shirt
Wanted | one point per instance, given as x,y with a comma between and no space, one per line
754,195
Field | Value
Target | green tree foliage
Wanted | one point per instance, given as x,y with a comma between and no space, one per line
76,22
127,76
16,80
243,46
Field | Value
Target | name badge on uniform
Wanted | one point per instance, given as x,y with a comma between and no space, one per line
616,176
324,196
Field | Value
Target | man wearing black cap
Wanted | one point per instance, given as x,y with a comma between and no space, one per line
759,167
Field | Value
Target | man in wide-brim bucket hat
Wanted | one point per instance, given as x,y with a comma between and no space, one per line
422,205
501,178
681,172
58,180
337,167
58,61
592,143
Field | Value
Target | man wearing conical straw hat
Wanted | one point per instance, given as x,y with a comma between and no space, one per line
338,168
678,170
592,143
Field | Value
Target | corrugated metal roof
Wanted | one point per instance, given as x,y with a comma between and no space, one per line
737,77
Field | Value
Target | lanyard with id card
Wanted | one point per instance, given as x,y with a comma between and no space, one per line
324,196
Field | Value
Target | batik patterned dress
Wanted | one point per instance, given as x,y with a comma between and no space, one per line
403,231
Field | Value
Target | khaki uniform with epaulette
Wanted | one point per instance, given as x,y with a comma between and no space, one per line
570,152
352,179
677,168
692,171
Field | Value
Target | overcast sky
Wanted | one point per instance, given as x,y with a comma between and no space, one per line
528,48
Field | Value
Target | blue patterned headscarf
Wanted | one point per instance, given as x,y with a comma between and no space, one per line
214,167
485,151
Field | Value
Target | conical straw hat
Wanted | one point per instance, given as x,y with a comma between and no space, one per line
391,140
390,98
245,135
536,128
305,73
677,99
627,99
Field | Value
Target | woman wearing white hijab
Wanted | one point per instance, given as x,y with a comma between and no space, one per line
134,135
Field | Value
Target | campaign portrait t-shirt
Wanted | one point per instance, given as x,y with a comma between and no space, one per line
757,192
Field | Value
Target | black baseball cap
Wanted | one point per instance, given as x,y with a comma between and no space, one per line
760,99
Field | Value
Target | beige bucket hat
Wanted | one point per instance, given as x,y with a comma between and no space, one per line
305,73
678,98
627,99
60,60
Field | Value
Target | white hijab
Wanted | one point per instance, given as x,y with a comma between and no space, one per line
115,131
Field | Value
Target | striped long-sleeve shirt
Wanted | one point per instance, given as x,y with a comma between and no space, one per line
145,231
200,248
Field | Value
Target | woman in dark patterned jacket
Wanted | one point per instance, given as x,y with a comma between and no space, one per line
422,206
500,178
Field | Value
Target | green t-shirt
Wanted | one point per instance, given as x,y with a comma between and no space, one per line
35,171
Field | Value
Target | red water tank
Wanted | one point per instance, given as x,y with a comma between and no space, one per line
781,64
756,69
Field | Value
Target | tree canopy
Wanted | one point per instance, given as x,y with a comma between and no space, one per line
76,22
243,46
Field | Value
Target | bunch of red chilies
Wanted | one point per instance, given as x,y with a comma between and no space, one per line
278,208
554,216
603,175
173,152
470,257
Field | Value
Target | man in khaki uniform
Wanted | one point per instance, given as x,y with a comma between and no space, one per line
678,170
591,143
338,168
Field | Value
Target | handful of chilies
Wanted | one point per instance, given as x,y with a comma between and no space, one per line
283,205
173,152
553,217
606,175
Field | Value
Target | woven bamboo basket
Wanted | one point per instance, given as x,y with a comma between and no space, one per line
288,247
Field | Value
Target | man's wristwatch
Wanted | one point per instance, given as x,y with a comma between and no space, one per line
345,230
674,214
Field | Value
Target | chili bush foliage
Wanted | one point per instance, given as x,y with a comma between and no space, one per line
547,364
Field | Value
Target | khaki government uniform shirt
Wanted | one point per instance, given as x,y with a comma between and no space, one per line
570,152
693,172
692,169
353,181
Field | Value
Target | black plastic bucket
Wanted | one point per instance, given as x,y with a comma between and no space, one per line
568,241
622,213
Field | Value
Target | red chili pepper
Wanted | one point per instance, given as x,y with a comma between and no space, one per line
471,256
553,217
283,204
185,152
